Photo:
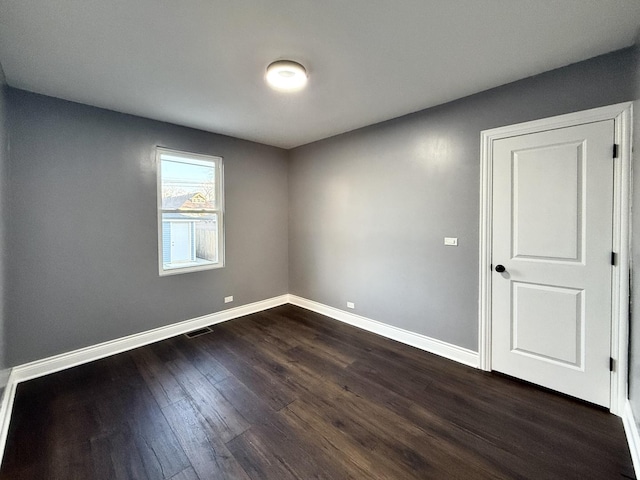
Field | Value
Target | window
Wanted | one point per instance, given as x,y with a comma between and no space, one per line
190,212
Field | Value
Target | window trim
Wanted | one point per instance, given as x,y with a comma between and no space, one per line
201,159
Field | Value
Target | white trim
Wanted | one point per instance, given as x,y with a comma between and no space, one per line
622,115
63,361
431,345
622,246
46,366
71,359
6,407
633,436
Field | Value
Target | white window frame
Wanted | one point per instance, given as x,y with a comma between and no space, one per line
196,159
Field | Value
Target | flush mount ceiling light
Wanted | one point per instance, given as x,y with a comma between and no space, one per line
286,76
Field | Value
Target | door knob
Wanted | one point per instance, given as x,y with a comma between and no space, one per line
500,268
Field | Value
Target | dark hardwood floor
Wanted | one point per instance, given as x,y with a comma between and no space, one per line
289,394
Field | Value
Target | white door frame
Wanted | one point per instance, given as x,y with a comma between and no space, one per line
622,115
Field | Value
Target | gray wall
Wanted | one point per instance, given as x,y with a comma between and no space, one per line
4,156
369,209
83,235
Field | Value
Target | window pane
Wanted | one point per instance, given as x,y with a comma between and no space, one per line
207,239
188,186
189,240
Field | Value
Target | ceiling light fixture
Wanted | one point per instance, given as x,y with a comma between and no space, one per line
286,76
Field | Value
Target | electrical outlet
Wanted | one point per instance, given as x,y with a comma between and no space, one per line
351,305
451,241
228,299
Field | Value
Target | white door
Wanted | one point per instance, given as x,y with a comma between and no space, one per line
552,234
180,242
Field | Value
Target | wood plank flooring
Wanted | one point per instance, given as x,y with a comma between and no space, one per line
290,394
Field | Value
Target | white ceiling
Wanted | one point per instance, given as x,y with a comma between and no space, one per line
201,63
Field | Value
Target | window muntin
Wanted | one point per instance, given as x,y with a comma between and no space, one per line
190,212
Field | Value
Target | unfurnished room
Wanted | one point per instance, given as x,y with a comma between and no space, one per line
296,239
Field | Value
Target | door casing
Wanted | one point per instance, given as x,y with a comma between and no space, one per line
622,115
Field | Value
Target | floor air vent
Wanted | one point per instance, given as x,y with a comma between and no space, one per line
197,333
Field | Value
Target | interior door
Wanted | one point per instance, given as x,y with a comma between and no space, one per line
551,258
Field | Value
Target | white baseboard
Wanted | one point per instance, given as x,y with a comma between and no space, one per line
66,360
6,407
63,361
39,368
431,345
12,377
633,436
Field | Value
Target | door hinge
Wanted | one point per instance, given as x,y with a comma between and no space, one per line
615,150
612,364
614,258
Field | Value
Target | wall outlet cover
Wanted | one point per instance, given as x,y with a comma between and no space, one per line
351,305
228,299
